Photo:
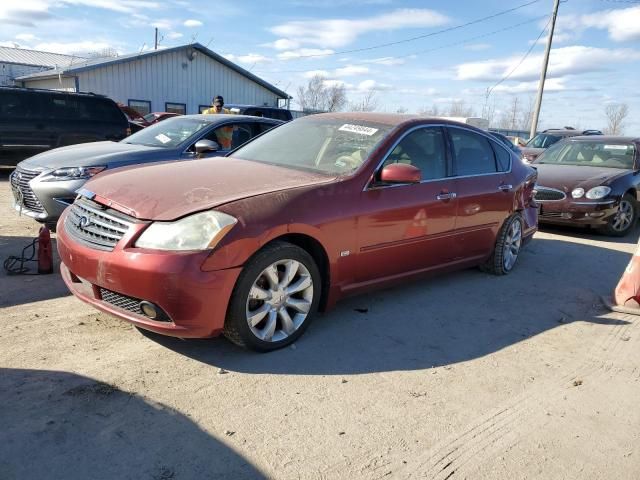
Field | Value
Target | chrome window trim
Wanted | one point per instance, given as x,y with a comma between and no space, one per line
368,185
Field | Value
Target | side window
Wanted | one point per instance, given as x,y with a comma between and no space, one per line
14,104
242,133
143,107
102,110
231,136
502,156
472,153
424,149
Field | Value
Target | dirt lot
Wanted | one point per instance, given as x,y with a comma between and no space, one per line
461,376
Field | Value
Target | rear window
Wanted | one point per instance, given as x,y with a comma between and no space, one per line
69,107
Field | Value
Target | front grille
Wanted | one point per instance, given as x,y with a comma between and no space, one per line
551,215
124,302
20,179
546,194
130,304
95,225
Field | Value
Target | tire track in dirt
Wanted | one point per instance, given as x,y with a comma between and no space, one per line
524,410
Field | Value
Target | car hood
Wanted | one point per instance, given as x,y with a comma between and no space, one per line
531,152
92,154
167,191
568,177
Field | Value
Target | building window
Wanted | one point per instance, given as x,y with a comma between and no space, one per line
202,108
143,107
180,108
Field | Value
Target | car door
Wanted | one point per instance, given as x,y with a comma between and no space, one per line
408,227
484,191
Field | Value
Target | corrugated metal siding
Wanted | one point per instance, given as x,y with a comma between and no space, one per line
65,84
9,71
34,57
173,78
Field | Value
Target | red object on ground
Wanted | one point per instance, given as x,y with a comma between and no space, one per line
627,293
45,257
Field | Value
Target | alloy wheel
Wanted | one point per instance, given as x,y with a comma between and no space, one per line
623,217
279,300
512,245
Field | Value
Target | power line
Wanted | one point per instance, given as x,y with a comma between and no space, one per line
421,52
489,90
420,37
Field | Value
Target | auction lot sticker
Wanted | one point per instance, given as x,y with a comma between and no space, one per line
163,138
362,130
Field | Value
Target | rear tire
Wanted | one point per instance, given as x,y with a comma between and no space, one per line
507,249
275,298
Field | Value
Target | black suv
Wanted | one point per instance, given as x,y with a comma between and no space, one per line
257,111
546,138
32,121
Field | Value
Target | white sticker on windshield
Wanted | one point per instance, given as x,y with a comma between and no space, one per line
163,138
615,147
347,127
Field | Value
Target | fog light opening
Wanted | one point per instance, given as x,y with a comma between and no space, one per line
149,309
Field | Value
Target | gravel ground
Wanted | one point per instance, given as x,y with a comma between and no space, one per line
460,376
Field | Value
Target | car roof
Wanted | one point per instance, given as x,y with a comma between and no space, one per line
603,138
390,119
216,118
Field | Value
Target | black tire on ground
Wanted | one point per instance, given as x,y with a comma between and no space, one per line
496,264
610,230
236,326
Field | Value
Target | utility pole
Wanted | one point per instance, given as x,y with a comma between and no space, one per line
543,76
156,42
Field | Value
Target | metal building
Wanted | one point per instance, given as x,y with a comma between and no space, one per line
181,79
16,62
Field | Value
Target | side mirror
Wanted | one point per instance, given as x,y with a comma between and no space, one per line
400,173
203,146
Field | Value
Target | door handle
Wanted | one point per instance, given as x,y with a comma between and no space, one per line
505,187
446,196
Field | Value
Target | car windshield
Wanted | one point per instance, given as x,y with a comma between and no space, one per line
591,154
168,134
327,146
543,140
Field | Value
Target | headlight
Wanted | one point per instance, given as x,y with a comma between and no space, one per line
596,193
73,173
196,232
577,192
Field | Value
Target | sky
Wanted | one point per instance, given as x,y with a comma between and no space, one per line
411,54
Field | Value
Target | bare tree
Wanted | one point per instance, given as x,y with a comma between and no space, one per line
335,98
317,95
616,114
460,109
402,109
434,111
526,114
369,102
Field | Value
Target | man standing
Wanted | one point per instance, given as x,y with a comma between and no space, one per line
217,106
224,134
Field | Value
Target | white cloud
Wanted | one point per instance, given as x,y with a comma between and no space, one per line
422,92
622,24
304,52
340,32
26,37
174,35
192,23
123,6
78,48
550,85
162,24
351,71
371,84
388,61
26,13
562,61
253,58
313,73
283,44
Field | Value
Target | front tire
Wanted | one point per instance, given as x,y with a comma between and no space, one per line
507,249
624,219
275,298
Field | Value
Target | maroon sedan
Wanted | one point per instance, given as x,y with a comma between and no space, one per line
252,245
